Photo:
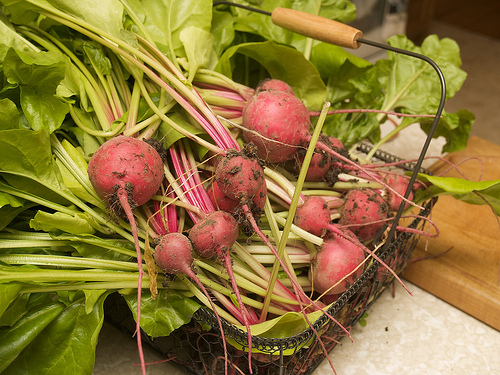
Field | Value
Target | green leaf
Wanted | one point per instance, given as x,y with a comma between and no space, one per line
66,345
88,143
76,180
166,19
223,30
26,158
412,86
329,59
10,38
76,224
281,62
92,297
9,213
38,75
287,325
13,304
473,192
169,135
354,87
198,45
8,199
9,114
107,15
91,246
14,340
88,250
10,293
164,314
454,127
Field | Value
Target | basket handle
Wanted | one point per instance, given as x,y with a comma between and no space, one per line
316,27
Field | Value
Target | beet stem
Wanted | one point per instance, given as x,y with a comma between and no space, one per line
124,201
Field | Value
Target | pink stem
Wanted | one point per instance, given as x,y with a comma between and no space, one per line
244,312
124,201
157,220
171,214
362,110
185,184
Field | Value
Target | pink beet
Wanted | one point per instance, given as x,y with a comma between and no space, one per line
313,216
278,122
399,184
335,261
270,84
364,212
126,172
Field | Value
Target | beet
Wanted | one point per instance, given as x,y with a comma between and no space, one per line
126,172
174,255
270,84
239,175
126,163
336,259
213,236
278,122
399,184
364,212
313,216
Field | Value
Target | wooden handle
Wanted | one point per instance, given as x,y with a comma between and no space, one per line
317,27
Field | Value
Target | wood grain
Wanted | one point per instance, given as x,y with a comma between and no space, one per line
467,275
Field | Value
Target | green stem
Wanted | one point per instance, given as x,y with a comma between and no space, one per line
106,285
201,296
61,153
35,199
67,262
116,127
16,244
57,276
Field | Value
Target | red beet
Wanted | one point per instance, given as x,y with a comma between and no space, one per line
126,172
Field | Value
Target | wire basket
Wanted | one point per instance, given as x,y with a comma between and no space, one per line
198,350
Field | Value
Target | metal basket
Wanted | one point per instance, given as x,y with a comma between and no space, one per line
200,351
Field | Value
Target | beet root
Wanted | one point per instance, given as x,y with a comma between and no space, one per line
270,84
313,216
239,175
364,212
337,264
278,123
213,236
128,163
126,172
399,184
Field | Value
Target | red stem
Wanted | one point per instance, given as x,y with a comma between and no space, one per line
244,313
124,201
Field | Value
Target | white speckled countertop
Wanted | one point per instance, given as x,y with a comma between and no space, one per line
404,335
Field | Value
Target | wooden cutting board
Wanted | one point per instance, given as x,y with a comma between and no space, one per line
466,276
